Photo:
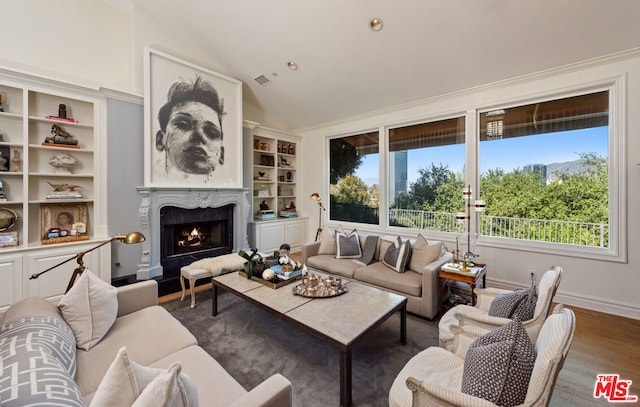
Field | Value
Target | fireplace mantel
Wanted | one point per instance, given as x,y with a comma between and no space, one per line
154,198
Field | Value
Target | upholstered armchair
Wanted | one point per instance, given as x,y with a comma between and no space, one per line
478,315
434,377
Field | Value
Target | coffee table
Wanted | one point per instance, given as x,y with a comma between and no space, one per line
340,321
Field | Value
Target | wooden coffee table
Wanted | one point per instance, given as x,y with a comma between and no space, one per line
340,321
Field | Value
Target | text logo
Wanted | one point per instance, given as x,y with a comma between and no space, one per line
613,389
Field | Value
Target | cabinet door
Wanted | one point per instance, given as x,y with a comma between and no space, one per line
269,236
296,232
11,277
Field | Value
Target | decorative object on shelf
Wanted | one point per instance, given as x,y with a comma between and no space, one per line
63,163
9,239
285,248
316,197
2,140
4,158
1,108
62,111
16,161
63,223
289,176
292,149
173,157
64,191
60,138
479,206
284,163
264,206
3,197
8,218
129,238
267,160
264,146
263,191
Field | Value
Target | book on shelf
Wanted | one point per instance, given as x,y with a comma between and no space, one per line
60,119
71,195
287,214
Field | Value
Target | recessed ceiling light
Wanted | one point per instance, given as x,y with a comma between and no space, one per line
375,24
292,65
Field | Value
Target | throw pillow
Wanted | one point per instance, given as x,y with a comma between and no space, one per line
90,308
423,253
125,381
328,240
397,255
168,389
498,365
527,307
505,305
348,245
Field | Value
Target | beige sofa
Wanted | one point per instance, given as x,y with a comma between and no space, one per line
419,286
153,338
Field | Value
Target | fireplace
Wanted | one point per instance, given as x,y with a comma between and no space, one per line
187,235
168,216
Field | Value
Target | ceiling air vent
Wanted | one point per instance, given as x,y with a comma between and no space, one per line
262,80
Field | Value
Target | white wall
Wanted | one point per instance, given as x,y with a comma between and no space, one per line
606,286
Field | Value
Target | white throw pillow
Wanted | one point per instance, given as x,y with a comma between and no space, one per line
169,389
424,253
90,309
125,381
328,240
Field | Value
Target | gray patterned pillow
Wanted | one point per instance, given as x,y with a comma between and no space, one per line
42,351
397,255
527,307
498,365
505,305
348,245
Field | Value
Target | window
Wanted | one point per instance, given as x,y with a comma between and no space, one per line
426,174
354,169
544,171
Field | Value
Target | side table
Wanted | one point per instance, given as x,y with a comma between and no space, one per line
463,277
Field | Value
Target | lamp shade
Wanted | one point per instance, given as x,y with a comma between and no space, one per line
315,196
133,237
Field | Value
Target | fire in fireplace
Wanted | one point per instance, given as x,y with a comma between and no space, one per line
191,234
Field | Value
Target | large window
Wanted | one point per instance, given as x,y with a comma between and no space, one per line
354,169
426,174
544,171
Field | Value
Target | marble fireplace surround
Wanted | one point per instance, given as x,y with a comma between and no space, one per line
155,198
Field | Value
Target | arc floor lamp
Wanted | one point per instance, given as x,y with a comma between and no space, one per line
316,197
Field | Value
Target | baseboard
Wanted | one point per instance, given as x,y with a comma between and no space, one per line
571,299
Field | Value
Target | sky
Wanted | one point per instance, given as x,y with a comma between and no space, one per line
507,154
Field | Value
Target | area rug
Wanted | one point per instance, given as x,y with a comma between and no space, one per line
253,344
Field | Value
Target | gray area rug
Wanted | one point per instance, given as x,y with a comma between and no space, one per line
253,344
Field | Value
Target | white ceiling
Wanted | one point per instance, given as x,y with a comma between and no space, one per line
426,48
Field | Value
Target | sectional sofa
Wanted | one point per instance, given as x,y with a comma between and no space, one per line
418,280
43,365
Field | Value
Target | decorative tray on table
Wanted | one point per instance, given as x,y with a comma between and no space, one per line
317,287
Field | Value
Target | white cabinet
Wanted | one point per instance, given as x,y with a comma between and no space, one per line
269,235
271,160
30,117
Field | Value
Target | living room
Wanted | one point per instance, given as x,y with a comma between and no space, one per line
101,46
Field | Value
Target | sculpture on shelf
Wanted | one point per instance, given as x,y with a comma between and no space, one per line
60,136
63,163
16,161
264,206
62,111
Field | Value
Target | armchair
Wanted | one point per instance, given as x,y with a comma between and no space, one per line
478,315
434,376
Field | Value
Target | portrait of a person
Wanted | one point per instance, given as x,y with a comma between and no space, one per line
190,133
64,220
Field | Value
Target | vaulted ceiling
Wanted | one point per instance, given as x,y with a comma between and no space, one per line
426,48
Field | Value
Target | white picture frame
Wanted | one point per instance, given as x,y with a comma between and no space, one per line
162,71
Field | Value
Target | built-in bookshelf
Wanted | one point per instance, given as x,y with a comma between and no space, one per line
271,174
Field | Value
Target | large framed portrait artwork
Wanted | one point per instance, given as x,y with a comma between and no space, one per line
193,125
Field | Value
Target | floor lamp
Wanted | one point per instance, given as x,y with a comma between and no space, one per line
316,197
129,238
479,206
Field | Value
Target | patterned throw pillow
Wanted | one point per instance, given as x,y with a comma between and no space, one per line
517,304
498,365
397,255
348,245
41,353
